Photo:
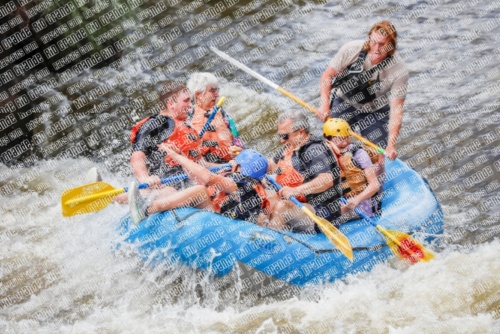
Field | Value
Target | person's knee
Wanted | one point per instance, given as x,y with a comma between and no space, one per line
287,210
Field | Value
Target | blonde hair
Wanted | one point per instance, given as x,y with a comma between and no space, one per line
386,29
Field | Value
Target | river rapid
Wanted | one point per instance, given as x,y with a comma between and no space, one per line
65,275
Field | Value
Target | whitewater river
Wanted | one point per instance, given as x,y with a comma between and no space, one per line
65,275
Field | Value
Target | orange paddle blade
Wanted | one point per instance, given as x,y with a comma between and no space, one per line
405,247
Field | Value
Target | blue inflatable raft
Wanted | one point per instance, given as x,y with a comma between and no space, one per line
219,246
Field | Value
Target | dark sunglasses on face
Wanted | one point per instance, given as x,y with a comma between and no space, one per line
286,136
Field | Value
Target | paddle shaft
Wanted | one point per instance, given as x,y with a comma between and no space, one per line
119,191
179,177
211,117
278,186
291,198
231,125
234,130
367,142
284,92
360,213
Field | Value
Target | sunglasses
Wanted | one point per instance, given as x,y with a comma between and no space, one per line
286,136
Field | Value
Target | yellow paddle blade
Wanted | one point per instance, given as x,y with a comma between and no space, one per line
332,233
405,247
88,198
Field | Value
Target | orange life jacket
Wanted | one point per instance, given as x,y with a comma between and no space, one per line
352,176
288,176
184,137
217,139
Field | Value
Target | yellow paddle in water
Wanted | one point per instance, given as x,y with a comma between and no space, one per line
337,238
400,243
98,195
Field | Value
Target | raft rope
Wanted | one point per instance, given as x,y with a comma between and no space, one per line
320,251
314,250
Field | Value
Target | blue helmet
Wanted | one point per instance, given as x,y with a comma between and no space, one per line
252,163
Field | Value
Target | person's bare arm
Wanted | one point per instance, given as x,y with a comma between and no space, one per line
325,86
141,172
199,173
319,184
395,122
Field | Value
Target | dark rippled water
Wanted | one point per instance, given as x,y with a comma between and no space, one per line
61,274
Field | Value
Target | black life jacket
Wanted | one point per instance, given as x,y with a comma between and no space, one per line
356,84
302,164
246,203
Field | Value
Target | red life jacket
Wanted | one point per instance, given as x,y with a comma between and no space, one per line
184,137
217,139
288,176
